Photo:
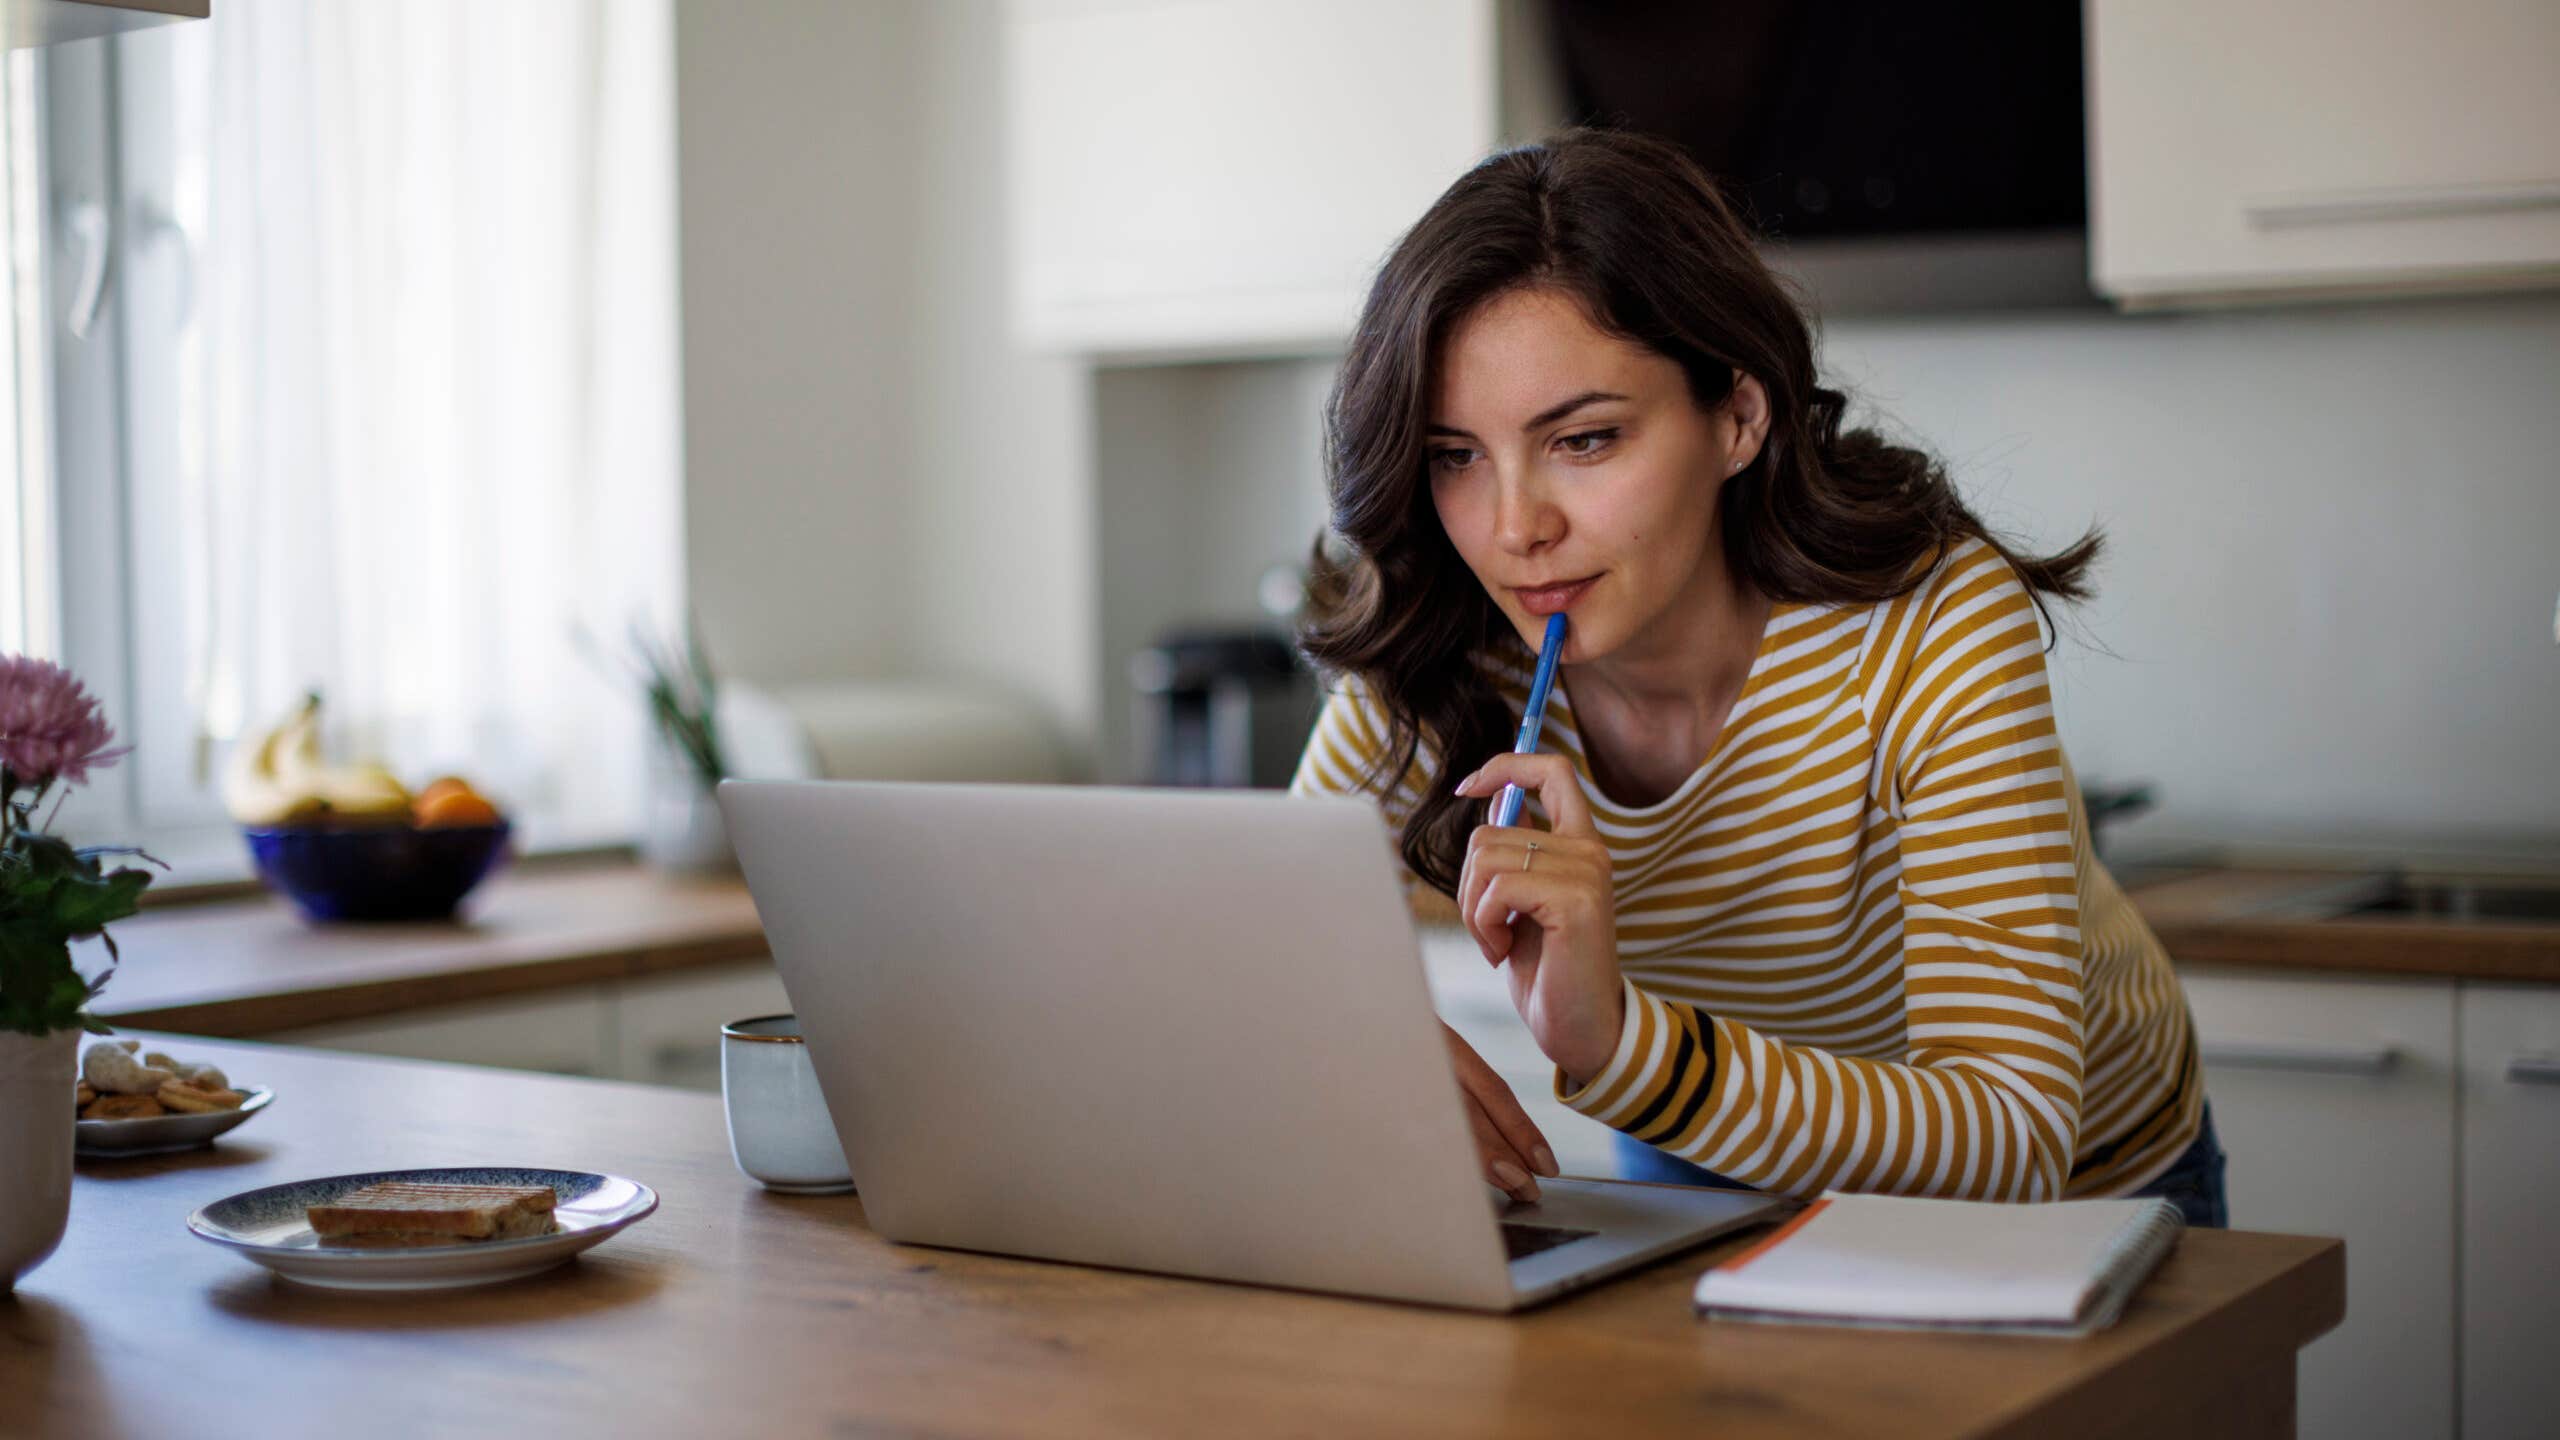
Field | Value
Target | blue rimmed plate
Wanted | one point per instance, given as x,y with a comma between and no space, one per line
163,1134
270,1227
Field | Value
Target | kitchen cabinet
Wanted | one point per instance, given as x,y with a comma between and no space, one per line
1195,177
2510,1177
669,1025
565,1032
658,1029
2298,148
2335,1099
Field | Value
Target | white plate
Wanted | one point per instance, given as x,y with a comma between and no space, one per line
270,1227
160,1134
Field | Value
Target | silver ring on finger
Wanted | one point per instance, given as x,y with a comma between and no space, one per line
1529,859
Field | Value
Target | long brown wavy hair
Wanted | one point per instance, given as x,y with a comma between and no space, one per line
1638,233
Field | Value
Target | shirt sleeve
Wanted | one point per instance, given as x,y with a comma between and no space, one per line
1985,1103
1344,748
1345,754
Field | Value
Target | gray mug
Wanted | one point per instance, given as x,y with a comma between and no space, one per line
779,1130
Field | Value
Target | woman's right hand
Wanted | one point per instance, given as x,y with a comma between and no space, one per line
1507,1142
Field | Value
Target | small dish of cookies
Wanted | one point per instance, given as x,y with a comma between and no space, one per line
133,1102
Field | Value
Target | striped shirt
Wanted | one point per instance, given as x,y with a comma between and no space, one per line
1866,945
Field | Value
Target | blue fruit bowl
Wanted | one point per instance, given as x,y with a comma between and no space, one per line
379,872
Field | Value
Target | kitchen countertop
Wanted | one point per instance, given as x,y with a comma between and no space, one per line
733,1311
250,967
2263,917
2268,918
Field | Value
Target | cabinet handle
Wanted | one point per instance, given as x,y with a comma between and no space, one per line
2414,202
2305,1059
2534,1069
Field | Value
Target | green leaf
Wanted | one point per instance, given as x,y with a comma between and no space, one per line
86,905
50,895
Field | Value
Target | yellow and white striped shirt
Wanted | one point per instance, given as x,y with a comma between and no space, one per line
1866,944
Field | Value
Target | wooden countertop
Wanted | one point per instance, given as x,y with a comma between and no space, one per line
2259,917
245,968
2253,916
252,967
733,1311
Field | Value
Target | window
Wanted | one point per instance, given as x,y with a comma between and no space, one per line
26,511
377,394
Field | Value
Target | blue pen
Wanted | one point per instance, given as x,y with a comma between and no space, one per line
1506,806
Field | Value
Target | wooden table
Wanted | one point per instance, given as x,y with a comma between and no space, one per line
733,1312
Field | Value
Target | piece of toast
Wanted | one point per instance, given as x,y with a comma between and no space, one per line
451,1212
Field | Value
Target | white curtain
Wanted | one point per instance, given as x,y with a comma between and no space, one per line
428,399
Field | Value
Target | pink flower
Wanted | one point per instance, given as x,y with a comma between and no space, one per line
50,725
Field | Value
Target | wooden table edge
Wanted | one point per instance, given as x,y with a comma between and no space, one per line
2253,1341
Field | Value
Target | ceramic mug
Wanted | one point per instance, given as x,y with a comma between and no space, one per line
779,1130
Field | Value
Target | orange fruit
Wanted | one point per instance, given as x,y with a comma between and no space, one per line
439,805
442,785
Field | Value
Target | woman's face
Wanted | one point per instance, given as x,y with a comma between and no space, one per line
1573,471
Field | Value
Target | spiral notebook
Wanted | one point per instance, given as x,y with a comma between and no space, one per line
2061,1269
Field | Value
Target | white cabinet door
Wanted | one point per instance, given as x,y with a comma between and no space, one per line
566,1032
2335,1101
2305,146
1475,999
2510,1200
1222,176
670,1024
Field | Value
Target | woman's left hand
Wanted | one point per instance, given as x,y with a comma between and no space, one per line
1563,943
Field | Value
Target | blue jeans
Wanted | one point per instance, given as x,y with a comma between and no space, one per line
2193,1183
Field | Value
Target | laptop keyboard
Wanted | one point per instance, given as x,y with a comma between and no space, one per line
1521,1241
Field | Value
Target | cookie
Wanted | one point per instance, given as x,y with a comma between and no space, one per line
114,1071
82,1094
123,1107
189,1099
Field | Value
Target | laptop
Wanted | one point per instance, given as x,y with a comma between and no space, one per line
1176,1031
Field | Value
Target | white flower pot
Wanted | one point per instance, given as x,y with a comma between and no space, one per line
36,1074
681,829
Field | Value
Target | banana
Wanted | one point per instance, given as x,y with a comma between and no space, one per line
254,788
365,791
278,777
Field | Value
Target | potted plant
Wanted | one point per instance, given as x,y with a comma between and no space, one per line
51,735
682,829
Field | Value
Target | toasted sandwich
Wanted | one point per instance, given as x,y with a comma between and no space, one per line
403,1212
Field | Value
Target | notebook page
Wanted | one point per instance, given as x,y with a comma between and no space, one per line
1897,1258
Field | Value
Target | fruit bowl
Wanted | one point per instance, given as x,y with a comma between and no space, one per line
376,872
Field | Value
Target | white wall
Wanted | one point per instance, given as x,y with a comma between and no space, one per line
795,187
878,484
1002,558
2334,549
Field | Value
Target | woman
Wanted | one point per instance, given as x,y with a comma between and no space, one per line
1813,903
